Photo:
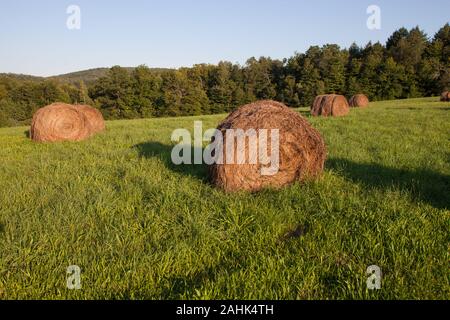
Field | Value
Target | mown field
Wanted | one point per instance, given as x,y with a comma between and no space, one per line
142,228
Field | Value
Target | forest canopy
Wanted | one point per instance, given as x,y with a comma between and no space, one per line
409,65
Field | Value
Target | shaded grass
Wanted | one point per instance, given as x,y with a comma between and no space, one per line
421,184
142,228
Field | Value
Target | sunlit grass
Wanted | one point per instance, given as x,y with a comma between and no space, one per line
142,228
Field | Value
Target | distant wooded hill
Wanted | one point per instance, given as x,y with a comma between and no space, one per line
410,64
87,76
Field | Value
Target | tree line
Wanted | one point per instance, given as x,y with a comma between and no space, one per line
409,65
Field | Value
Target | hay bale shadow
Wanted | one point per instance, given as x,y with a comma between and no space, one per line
407,108
423,184
27,134
163,152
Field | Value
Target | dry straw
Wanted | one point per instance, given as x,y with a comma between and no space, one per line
359,101
94,116
330,105
445,96
65,122
302,150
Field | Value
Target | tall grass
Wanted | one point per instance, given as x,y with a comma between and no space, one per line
142,228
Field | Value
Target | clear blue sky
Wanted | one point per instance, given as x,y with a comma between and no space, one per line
172,33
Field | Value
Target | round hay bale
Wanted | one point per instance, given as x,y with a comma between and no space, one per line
326,105
59,122
94,117
330,105
301,148
445,96
359,101
315,109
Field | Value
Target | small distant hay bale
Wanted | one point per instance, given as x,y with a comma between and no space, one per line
59,122
94,117
317,103
302,149
330,105
445,96
359,101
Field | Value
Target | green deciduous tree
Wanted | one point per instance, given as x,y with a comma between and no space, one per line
409,65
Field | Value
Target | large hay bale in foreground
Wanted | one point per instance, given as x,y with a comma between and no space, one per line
94,117
445,96
59,122
359,101
330,105
301,153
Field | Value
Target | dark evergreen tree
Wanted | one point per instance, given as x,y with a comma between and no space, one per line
409,65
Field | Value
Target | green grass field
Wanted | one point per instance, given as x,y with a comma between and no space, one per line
142,228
